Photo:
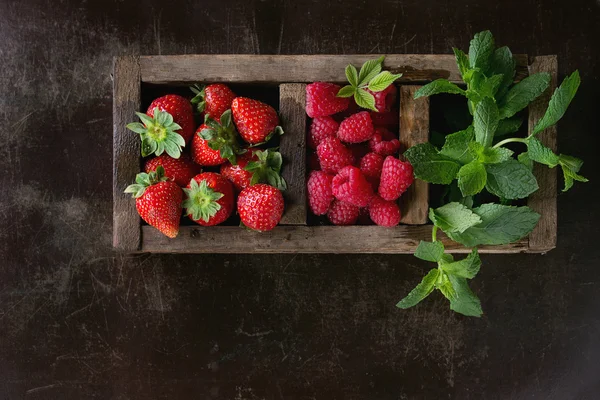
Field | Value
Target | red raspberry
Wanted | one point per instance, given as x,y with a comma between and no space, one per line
322,100
396,177
319,191
384,142
363,217
389,120
353,108
333,155
384,100
384,213
320,128
371,165
312,162
342,213
356,128
351,186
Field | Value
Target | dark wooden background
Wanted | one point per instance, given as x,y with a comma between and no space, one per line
78,321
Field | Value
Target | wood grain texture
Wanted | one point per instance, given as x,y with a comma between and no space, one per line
543,237
414,129
126,150
292,101
402,239
296,68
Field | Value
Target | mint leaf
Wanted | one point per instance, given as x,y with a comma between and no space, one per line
445,286
540,153
364,99
481,50
462,61
485,121
561,98
438,86
525,160
508,125
457,146
503,63
523,93
431,166
382,81
465,268
499,225
570,167
464,302
346,91
368,70
421,291
510,180
472,178
491,155
352,75
453,217
430,251
481,86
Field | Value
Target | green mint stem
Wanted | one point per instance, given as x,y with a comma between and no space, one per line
434,233
509,140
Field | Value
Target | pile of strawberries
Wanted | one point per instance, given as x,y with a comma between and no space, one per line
227,141
355,173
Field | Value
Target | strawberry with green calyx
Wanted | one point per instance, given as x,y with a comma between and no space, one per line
370,80
255,166
209,199
216,142
256,121
213,99
179,170
158,134
180,109
158,201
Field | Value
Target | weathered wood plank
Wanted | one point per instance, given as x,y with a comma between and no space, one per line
414,129
543,237
126,150
296,68
402,239
292,101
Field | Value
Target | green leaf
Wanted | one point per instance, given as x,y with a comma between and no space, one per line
438,86
462,60
172,148
510,180
499,224
369,70
457,146
453,217
464,302
485,121
352,75
431,166
444,285
491,155
508,125
481,50
430,251
561,98
382,80
503,63
346,91
149,146
465,268
421,291
525,160
523,93
364,99
570,168
472,178
540,153
136,127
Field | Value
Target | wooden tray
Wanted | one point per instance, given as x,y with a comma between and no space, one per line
292,73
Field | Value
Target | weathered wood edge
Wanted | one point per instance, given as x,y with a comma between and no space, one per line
292,101
126,148
414,129
296,68
402,239
543,237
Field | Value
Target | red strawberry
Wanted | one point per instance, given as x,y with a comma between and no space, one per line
342,213
180,109
159,134
385,99
179,170
322,100
213,99
255,166
312,162
158,201
356,128
216,142
384,213
351,186
319,192
209,199
255,120
333,155
370,166
396,177
384,142
320,128
260,207
387,119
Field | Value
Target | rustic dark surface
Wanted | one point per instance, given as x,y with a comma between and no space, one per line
78,321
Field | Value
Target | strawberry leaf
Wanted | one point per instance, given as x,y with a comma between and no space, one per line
369,70
364,99
352,75
382,80
346,91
